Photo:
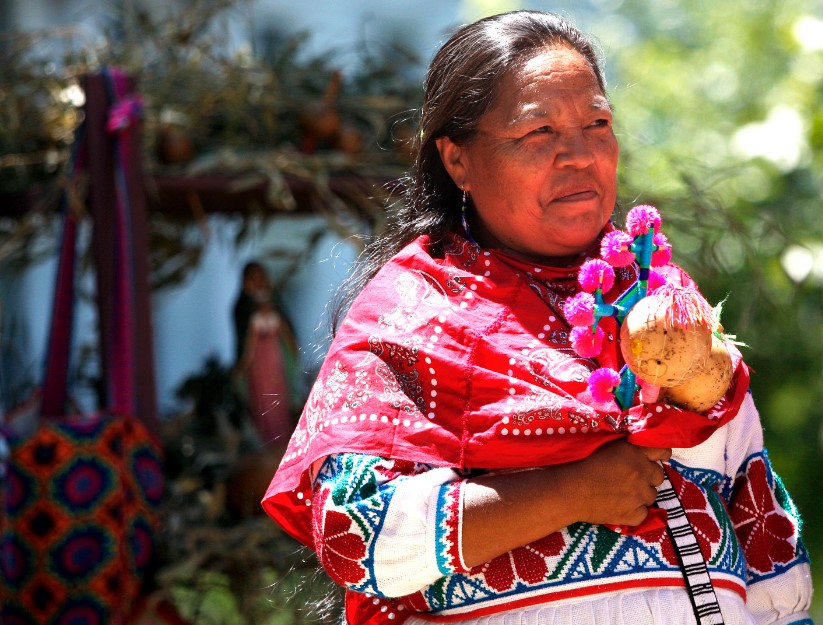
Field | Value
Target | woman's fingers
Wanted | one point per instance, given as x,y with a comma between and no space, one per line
651,496
657,453
619,482
658,475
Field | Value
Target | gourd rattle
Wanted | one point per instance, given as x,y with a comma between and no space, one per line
670,337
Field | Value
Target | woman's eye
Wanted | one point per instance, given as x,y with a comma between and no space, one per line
600,123
542,130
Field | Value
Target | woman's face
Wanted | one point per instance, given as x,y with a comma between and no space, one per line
541,169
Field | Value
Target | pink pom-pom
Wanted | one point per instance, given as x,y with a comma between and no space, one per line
594,274
586,343
615,250
579,309
641,218
602,383
663,254
656,280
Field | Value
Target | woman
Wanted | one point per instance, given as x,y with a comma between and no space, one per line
260,332
265,371
449,465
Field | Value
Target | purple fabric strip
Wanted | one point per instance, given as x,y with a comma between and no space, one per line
55,380
58,350
108,149
121,379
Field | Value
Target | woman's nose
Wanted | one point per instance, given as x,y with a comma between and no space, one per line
574,150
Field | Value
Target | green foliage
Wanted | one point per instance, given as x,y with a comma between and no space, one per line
719,112
721,126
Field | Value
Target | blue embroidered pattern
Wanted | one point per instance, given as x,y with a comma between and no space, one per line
581,556
445,535
353,482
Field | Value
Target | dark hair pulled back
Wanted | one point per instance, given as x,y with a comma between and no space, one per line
460,86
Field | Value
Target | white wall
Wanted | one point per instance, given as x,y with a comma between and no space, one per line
193,321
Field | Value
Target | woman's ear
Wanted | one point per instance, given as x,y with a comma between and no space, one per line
453,157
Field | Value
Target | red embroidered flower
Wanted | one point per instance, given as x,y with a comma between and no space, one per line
340,550
526,564
698,511
765,533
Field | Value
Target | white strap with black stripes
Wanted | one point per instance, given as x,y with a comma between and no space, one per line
696,574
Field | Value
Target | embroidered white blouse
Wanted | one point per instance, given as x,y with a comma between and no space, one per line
391,530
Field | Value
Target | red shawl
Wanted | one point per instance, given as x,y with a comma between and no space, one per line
464,361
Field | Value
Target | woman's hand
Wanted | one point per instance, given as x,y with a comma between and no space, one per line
614,485
617,483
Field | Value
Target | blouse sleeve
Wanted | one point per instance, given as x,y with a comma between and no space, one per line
386,527
767,524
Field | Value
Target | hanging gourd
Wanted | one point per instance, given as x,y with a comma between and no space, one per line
670,337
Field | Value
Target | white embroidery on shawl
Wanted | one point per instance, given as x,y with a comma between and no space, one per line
434,296
325,396
537,406
558,363
549,406
359,393
464,250
418,300
396,368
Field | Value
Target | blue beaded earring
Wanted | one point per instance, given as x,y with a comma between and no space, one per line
463,219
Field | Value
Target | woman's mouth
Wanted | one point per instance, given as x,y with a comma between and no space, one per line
577,196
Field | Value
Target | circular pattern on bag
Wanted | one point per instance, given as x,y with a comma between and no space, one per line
149,475
81,552
16,559
20,490
83,484
46,452
85,610
141,543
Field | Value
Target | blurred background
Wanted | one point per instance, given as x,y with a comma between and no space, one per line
274,130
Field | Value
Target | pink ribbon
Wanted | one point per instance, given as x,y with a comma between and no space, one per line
124,112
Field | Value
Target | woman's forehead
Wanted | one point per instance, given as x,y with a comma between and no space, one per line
560,67
542,83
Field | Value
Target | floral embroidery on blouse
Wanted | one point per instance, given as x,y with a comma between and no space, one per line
756,528
353,493
767,533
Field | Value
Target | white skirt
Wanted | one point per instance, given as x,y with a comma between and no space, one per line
659,606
